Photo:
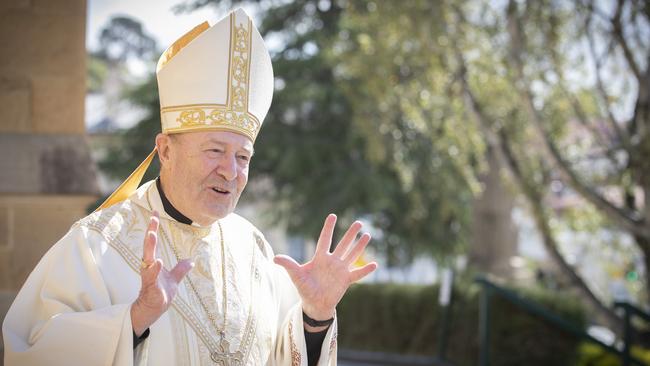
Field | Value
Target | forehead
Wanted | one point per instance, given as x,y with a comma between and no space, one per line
206,138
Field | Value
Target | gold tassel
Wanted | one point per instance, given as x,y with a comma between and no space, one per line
130,184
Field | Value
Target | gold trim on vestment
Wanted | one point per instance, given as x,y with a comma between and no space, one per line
295,354
103,226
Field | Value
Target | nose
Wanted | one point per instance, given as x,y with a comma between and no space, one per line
227,167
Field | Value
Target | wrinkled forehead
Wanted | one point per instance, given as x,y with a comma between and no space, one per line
209,138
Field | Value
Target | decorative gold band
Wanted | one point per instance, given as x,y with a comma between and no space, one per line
208,117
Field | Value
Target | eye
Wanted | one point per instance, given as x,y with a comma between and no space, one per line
245,158
214,151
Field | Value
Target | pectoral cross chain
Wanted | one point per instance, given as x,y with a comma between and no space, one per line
223,356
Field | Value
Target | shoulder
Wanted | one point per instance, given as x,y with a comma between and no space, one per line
245,227
121,226
111,220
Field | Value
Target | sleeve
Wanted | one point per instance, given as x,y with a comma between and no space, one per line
63,314
291,345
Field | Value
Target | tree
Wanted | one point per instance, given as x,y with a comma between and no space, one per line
532,53
479,62
389,110
122,40
319,159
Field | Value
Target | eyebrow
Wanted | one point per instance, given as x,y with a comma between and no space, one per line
250,150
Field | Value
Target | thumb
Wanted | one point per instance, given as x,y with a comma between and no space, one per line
181,269
289,264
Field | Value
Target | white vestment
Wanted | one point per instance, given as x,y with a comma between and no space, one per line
74,308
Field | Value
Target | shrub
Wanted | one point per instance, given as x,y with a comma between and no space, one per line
406,319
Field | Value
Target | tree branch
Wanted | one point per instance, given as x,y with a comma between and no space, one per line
504,153
620,133
617,32
626,219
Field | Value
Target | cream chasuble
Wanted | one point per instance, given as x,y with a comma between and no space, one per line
74,308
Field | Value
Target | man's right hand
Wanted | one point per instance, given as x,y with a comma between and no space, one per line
159,286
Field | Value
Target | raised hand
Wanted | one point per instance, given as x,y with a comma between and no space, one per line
323,280
159,286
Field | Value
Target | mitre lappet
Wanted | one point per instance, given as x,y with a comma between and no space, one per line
216,78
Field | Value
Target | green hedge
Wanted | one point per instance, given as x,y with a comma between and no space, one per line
592,355
406,318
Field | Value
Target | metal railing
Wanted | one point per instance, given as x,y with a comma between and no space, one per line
629,310
490,289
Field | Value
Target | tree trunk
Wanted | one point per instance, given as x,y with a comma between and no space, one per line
494,236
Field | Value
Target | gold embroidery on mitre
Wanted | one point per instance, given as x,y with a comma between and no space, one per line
177,46
234,115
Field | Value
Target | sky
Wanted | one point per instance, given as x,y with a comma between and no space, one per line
156,15
159,21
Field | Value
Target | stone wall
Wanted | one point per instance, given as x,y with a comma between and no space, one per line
47,178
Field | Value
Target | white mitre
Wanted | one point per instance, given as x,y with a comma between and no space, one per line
216,77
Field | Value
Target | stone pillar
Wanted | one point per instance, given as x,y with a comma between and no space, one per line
47,178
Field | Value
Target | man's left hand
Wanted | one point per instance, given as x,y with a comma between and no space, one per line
323,280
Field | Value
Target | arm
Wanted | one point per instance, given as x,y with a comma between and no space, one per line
63,314
322,282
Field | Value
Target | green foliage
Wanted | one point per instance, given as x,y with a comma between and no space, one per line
593,355
135,143
96,71
329,145
123,38
406,319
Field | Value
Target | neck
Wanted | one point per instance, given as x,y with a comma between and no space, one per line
169,207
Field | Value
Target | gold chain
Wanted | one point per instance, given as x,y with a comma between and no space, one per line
211,316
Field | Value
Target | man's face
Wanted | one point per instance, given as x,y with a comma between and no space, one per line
207,173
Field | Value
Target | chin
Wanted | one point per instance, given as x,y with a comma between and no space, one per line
217,213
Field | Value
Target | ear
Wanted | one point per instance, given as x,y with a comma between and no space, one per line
163,145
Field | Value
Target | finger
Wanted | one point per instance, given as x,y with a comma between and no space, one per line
325,238
348,239
151,239
359,273
358,249
289,264
181,270
150,275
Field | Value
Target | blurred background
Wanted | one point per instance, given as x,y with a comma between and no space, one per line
498,151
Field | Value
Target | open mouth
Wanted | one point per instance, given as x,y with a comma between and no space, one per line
220,190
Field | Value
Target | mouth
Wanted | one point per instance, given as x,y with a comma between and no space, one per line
221,190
